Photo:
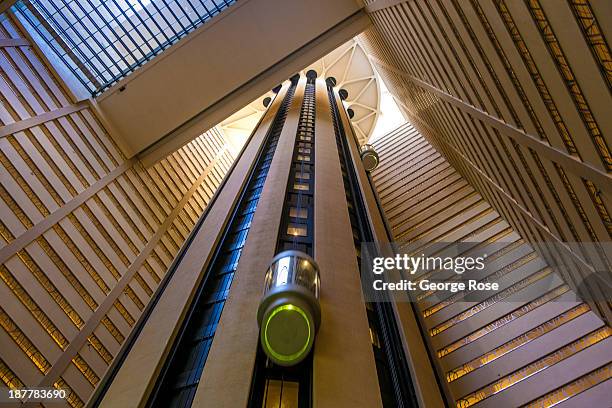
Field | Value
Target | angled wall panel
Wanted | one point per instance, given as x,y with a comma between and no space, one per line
531,342
87,235
516,96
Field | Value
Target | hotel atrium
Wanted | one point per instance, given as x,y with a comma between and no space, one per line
193,193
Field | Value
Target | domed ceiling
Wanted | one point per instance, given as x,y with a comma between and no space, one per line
350,67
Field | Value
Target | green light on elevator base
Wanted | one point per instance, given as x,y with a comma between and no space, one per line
287,334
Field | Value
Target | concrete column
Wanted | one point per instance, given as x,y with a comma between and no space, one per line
344,373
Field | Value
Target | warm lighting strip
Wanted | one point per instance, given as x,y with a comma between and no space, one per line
497,254
122,231
145,205
35,172
498,112
84,368
72,398
535,367
44,321
61,301
109,266
497,276
55,294
29,303
487,145
113,244
27,223
595,194
35,356
46,283
122,252
26,346
572,389
566,137
594,36
97,345
541,274
34,158
553,218
25,220
9,378
108,193
510,317
555,116
407,231
524,165
517,342
65,271
48,160
6,235
78,254
462,225
582,106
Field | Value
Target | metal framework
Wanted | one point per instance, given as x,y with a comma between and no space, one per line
103,41
351,69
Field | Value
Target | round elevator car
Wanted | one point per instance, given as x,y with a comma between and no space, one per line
369,157
289,313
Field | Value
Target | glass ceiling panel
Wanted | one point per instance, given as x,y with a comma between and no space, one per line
102,41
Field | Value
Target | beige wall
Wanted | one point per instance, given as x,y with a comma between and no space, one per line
525,120
87,235
512,348
221,67
344,371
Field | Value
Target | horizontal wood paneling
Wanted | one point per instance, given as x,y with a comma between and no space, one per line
515,93
529,343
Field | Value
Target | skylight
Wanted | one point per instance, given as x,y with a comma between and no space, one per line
102,41
390,116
